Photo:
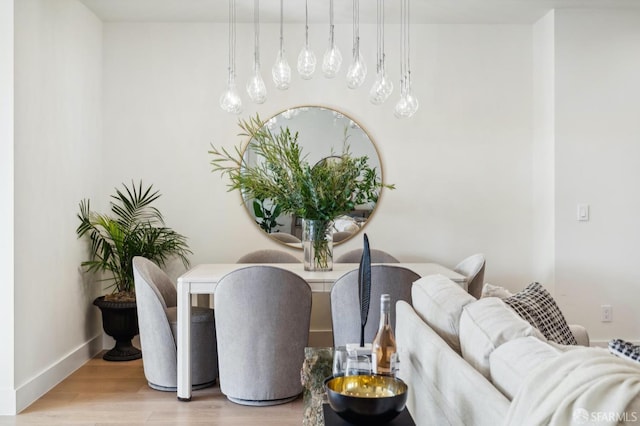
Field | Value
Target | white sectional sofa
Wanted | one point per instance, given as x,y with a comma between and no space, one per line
476,362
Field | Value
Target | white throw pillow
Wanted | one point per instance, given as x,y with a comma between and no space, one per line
485,325
490,290
439,302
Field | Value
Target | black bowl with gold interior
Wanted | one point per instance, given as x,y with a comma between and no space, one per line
366,399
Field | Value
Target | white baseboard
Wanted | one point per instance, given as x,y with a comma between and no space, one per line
29,392
7,402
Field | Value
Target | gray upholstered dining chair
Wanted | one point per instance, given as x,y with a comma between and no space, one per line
285,237
268,256
345,303
156,300
340,236
377,256
262,324
473,268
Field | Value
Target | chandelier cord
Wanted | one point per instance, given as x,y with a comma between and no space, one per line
408,35
382,58
281,25
403,47
306,23
229,41
256,31
356,29
331,23
380,33
232,40
378,36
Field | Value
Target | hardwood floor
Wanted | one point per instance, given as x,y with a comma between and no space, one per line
116,393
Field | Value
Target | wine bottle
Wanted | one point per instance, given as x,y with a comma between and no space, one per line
384,344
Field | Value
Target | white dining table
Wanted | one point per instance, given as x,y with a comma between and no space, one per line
203,279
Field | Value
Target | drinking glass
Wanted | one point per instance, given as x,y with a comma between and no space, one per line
357,364
339,361
395,364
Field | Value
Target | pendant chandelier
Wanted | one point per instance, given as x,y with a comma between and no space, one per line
281,71
332,59
306,58
358,69
230,100
408,103
255,86
356,74
383,86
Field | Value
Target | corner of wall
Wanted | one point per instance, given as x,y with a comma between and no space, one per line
28,393
7,331
543,151
8,402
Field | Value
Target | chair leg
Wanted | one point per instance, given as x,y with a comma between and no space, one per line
262,403
174,388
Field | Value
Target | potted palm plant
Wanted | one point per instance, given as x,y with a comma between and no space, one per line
316,193
134,228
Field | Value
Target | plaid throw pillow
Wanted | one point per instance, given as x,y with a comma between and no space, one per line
535,305
625,349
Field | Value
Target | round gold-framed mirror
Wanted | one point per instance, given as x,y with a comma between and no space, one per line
322,133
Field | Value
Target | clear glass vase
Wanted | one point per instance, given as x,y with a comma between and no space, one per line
317,243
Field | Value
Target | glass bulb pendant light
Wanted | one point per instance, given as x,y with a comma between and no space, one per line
408,104
382,87
255,86
306,58
357,71
332,57
230,99
281,70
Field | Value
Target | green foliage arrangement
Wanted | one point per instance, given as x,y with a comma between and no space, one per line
322,191
135,228
268,216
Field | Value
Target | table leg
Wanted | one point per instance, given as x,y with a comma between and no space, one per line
184,342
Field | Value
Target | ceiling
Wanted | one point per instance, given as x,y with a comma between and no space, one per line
422,11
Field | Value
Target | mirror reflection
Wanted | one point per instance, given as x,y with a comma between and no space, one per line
321,134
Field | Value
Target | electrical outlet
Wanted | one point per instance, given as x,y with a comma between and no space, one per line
607,313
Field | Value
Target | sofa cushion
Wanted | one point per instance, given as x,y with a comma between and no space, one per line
485,325
535,305
439,302
511,362
443,388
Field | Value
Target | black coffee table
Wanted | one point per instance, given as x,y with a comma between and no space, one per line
332,419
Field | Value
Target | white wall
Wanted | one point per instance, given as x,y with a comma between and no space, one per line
7,336
58,142
98,104
462,165
543,189
597,162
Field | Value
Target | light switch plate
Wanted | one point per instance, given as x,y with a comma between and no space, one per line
583,212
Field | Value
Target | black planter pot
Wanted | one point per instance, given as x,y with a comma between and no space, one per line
120,321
